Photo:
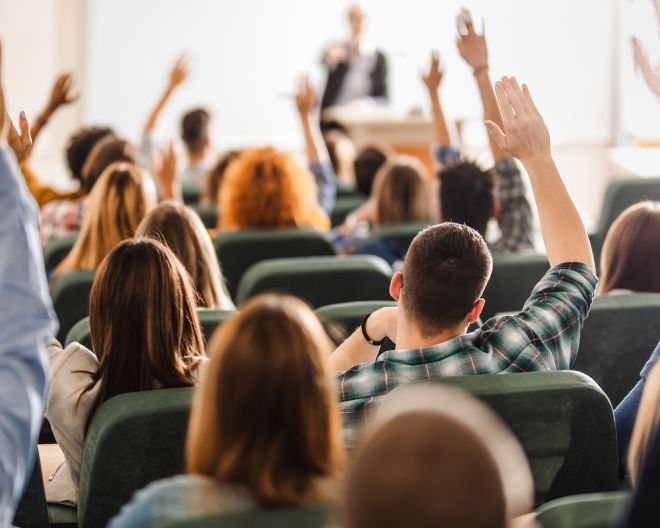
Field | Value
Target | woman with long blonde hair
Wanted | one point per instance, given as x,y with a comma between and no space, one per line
123,194
264,430
180,229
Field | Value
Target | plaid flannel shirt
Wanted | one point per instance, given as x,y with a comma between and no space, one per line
515,218
544,336
61,219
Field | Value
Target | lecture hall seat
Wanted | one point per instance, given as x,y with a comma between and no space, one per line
594,510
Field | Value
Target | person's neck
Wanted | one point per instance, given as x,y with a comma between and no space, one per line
356,40
196,157
408,336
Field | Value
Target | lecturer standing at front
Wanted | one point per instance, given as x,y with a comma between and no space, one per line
354,71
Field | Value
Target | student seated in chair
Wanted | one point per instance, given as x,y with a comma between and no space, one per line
468,192
181,230
145,335
445,273
264,428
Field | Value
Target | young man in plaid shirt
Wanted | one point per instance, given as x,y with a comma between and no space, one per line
445,273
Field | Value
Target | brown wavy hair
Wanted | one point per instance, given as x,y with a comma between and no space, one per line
267,188
266,414
180,229
629,260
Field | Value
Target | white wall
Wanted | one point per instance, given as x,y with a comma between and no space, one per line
40,39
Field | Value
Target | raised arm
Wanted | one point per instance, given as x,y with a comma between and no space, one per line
20,143
317,153
60,95
474,50
432,80
526,137
179,73
25,323
651,76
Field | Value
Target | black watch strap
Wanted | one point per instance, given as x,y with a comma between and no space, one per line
363,327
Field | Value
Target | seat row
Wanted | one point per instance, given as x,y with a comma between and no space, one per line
136,438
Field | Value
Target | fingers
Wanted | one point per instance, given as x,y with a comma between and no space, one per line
515,96
530,101
496,134
508,114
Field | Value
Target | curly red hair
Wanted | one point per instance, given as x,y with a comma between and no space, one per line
267,188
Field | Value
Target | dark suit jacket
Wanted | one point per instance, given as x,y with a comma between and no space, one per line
336,75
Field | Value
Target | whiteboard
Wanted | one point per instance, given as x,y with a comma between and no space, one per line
247,55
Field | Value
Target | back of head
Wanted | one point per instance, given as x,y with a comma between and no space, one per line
80,145
107,151
139,286
267,188
444,274
466,195
646,425
630,252
195,130
213,180
367,164
180,229
422,469
265,416
401,193
122,196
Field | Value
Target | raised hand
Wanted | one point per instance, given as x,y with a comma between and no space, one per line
471,45
20,143
306,97
433,77
525,135
167,175
61,93
180,71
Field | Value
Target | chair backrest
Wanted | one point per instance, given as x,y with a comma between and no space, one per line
208,214
56,251
563,421
239,250
513,279
303,518
401,235
70,295
345,205
320,280
32,510
618,338
621,194
133,439
592,510
349,315
209,319
191,194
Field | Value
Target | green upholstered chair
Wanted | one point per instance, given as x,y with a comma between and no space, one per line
617,340
320,280
401,235
133,439
70,295
593,510
238,250
209,319
621,194
55,251
513,279
191,194
563,421
344,205
303,518
208,214
32,511
350,314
